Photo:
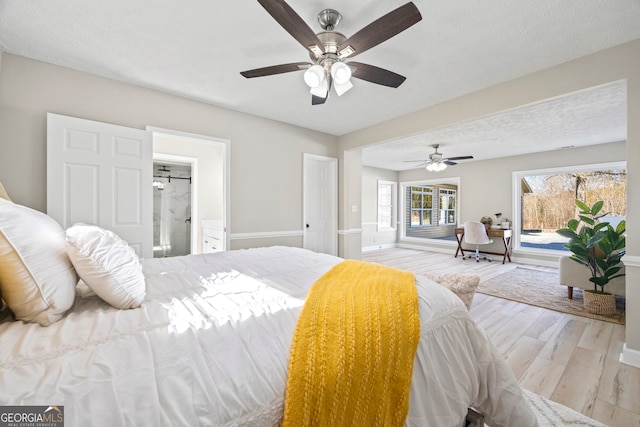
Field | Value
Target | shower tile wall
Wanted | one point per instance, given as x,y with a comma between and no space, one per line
171,211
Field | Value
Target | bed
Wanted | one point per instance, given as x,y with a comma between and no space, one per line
209,344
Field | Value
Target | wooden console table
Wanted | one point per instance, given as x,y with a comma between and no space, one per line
505,235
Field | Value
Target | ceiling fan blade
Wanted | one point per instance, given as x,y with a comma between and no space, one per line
317,100
293,24
320,94
376,75
421,165
380,30
275,69
410,161
459,158
448,162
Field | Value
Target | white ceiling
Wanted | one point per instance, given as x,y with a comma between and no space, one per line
197,48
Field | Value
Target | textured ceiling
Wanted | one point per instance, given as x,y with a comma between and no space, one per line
197,48
594,116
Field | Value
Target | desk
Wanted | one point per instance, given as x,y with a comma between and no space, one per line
505,235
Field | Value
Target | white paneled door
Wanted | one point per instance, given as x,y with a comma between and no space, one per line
99,173
321,204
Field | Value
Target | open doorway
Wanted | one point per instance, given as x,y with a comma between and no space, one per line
172,201
209,161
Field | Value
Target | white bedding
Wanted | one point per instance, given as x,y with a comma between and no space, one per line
210,347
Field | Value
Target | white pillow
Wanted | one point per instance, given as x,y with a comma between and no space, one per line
37,280
107,264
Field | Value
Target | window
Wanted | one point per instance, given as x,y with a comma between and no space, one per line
447,207
421,205
386,205
430,209
547,200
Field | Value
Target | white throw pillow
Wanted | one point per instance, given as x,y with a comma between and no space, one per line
107,264
37,280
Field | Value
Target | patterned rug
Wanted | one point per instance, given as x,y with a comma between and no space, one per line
541,288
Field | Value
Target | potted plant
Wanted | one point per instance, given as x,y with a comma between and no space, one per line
597,245
487,221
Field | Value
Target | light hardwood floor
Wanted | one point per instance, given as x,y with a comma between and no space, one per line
569,359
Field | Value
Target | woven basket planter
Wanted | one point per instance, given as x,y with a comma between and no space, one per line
599,303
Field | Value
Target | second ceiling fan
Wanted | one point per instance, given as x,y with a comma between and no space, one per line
437,162
329,49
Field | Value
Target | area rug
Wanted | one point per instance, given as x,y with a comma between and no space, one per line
541,288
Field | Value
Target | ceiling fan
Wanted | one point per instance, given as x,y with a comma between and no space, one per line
437,162
329,49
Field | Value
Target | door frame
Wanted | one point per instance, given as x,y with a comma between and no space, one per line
225,145
306,157
193,163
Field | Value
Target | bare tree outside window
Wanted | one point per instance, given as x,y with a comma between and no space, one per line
550,202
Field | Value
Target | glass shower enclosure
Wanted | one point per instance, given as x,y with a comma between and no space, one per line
171,209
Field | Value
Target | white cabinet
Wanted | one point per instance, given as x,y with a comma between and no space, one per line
212,235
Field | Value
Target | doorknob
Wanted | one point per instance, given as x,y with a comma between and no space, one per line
307,225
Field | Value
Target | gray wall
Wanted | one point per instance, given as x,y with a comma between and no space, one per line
266,156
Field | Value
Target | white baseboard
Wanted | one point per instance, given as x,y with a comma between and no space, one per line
631,261
378,247
537,262
442,250
266,235
630,357
350,231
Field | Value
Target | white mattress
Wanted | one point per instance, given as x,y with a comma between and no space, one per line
210,347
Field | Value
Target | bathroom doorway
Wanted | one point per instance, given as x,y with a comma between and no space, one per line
210,165
172,207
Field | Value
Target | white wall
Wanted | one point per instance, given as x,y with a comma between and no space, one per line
266,156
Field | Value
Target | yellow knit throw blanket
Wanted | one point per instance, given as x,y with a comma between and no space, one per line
352,353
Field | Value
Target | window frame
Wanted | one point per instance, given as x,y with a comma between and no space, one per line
517,177
422,209
446,210
405,186
393,208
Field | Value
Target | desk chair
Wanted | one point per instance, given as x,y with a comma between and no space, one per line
475,233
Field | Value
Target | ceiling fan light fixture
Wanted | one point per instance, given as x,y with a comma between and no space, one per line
321,89
342,88
340,72
314,76
436,167
329,48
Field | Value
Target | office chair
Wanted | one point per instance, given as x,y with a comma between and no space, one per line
475,233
